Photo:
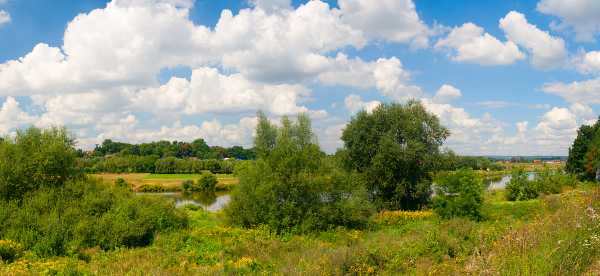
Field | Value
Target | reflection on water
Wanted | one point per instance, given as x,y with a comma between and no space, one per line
211,202
500,182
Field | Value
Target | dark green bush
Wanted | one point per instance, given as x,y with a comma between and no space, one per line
458,194
82,214
550,181
520,187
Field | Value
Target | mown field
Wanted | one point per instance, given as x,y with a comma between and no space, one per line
556,234
170,182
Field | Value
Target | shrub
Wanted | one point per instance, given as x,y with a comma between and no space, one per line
207,182
187,185
121,183
550,181
83,214
458,194
9,251
34,159
520,187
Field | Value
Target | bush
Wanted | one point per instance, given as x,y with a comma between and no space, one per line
9,251
520,187
34,159
458,194
550,181
121,183
187,185
83,214
207,182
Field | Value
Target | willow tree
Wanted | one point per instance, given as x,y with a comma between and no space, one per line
396,147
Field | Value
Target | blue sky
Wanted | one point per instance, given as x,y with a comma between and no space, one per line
507,77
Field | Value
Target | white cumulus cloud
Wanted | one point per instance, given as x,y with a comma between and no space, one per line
470,43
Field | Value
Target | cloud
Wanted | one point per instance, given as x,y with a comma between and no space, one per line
505,104
587,91
272,5
12,116
388,20
392,80
546,51
446,93
588,63
280,47
580,15
4,17
354,103
209,91
469,43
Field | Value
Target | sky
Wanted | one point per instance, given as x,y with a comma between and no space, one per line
506,77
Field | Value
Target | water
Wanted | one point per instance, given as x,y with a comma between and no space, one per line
501,182
212,202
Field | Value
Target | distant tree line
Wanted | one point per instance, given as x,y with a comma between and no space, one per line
197,149
154,164
584,154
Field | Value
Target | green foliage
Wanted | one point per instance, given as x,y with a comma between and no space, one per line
520,187
550,181
546,181
396,147
207,182
458,194
294,187
161,149
121,183
34,159
82,214
583,157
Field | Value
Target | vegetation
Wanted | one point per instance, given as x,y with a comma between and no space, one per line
50,209
153,164
35,159
293,187
395,148
297,210
584,154
546,181
458,194
198,149
206,183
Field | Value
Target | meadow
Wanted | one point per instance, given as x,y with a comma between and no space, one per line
555,234
164,182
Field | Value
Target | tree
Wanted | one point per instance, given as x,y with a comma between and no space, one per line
581,153
34,159
294,186
266,134
395,147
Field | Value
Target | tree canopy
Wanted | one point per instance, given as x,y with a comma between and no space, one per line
396,147
584,154
293,186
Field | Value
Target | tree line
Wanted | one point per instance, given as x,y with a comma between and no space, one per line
195,149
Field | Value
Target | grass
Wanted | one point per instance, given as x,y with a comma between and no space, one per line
555,235
165,182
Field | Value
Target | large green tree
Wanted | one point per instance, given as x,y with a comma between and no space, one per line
396,147
293,186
